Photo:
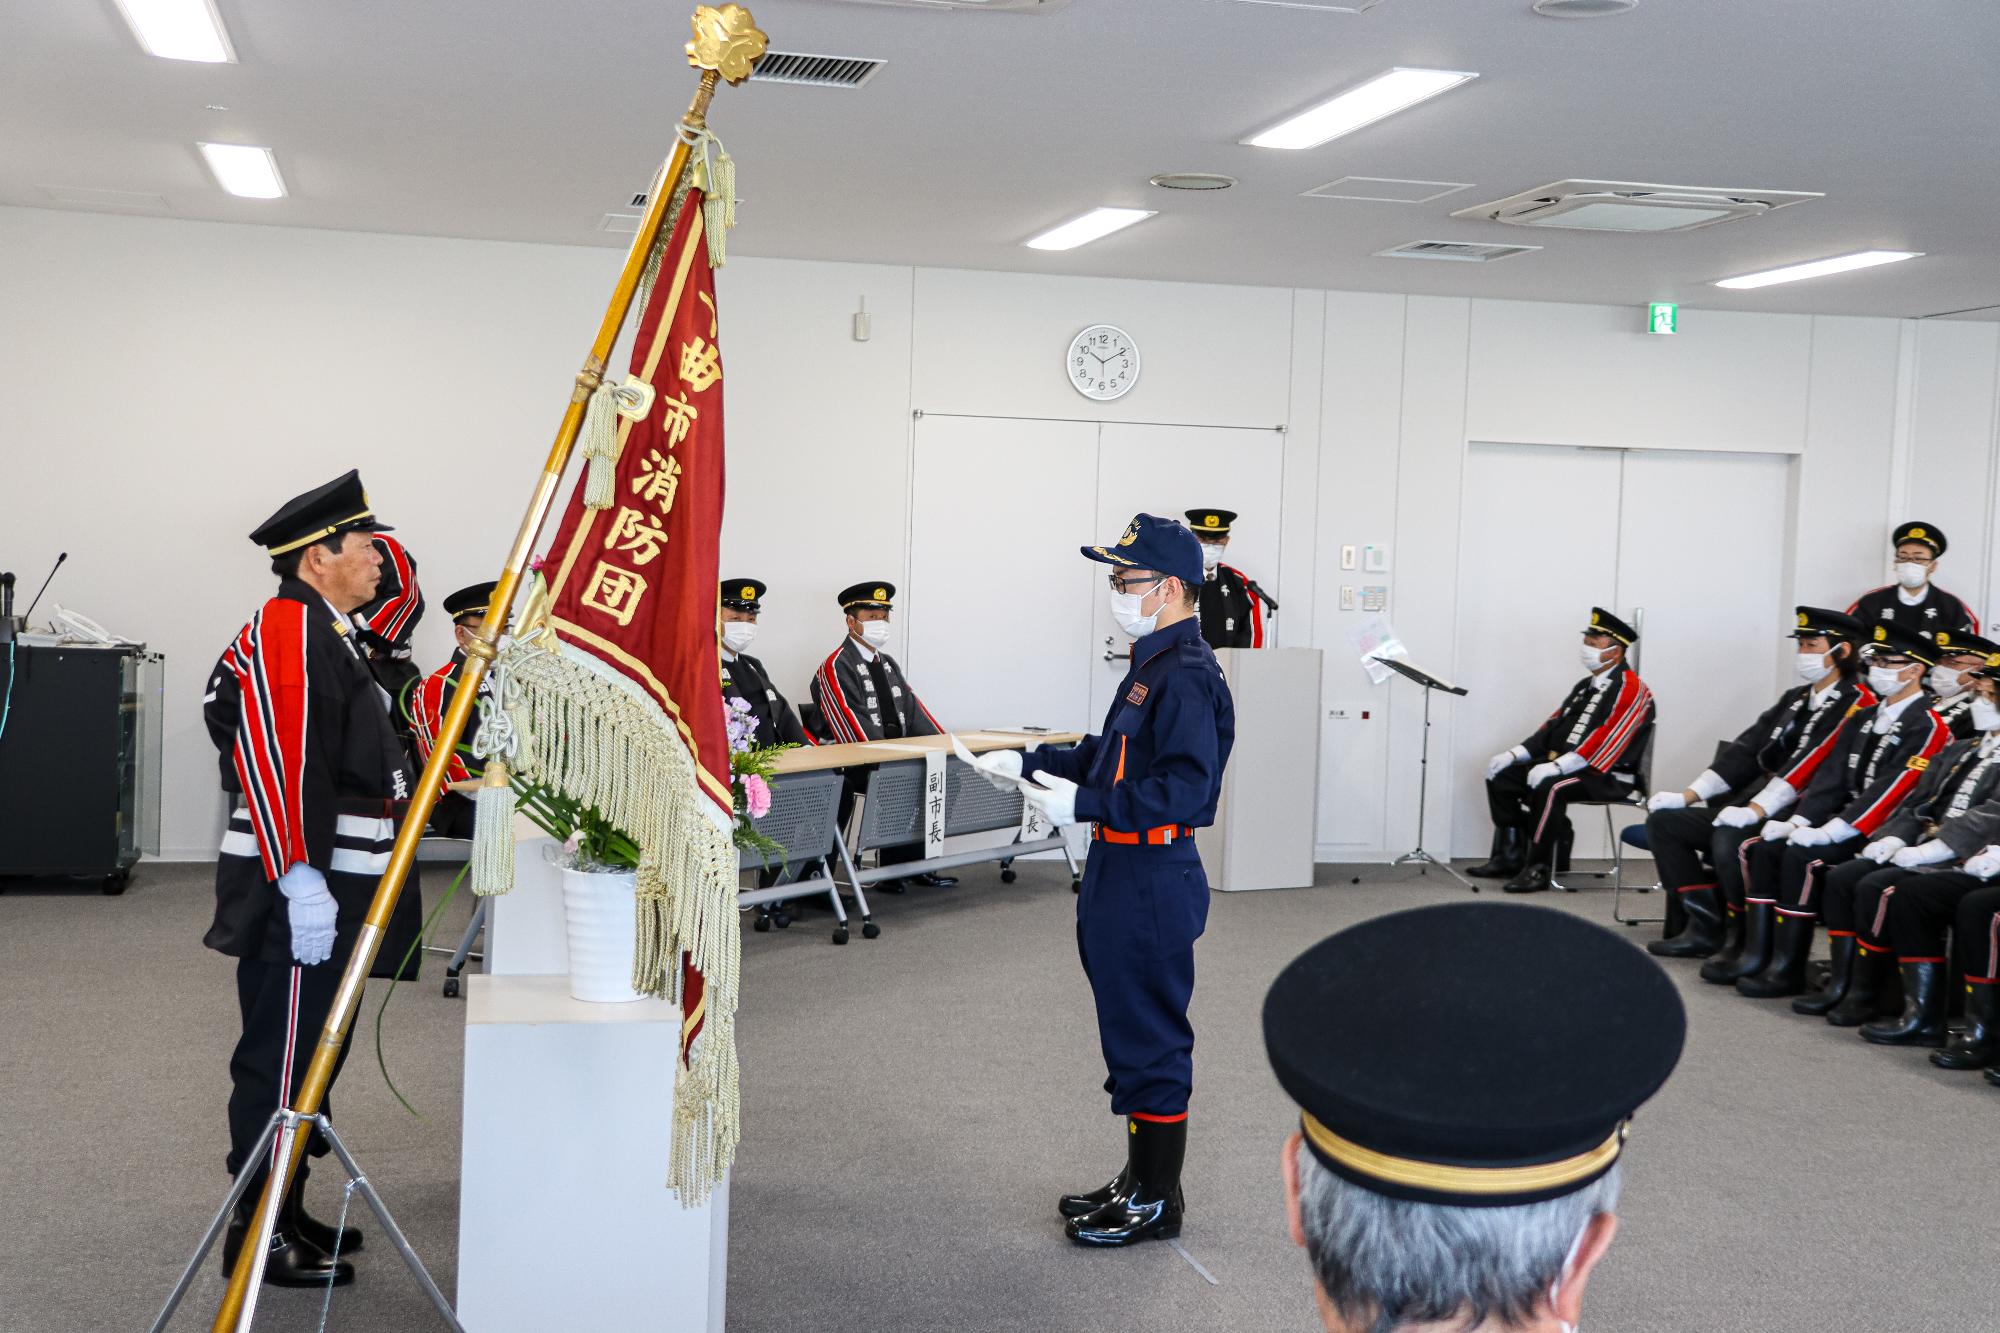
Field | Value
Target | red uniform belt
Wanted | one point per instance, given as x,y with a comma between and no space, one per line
1152,837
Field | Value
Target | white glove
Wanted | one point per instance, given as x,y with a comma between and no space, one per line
1880,850
1708,785
997,766
312,911
1667,800
1572,763
1055,798
1930,853
1736,816
1985,865
1839,830
1811,837
1499,764
1541,773
1776,830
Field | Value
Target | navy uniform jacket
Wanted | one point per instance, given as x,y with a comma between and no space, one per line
1158,760
1939,610
304,737
1789,740
1232,609
862,700
1957,714
1958,781
744,677
1868,775
1606,720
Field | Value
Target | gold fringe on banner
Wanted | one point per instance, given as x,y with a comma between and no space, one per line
597,740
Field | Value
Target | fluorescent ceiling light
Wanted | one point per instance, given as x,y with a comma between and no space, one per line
1094,225
245,171
1819,268
1383,95
179,29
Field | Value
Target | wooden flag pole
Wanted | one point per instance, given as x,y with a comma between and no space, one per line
726,46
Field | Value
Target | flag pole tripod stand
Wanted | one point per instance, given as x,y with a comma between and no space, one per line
286,1125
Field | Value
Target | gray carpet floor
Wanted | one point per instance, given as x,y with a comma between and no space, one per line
913,1104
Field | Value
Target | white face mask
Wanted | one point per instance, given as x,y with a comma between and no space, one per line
1985,716
1944,680
1125,610
1813,667
875,633
1885,681
1912,576
1592,658
1211,555
737,634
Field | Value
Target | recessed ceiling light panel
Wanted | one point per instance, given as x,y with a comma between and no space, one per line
1819,268
1460,252
1323,6
246,171
179,29
1344,113
1384,190
1094,225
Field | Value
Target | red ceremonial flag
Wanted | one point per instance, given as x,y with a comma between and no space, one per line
626,715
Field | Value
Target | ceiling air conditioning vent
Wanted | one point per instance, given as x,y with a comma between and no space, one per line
1324,6
973,6
1625,206
814,71
1463,252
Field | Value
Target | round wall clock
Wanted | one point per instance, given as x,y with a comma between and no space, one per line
1103,362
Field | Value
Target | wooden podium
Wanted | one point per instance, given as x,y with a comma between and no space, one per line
1263,835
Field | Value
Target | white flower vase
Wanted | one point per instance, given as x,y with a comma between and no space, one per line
601,909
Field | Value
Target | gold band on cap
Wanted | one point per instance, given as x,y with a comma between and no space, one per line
1474,1180
323,532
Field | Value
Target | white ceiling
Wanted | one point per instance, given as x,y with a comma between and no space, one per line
529,119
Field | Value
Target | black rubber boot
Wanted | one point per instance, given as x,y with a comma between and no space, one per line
1864,990
292,1262
1120,1186
1153,1207
1922,1021
1979,1044
319,1234
1509,854
1839,972
1786,972
1565,841
1753,957
1702,934
1533,879
1732,940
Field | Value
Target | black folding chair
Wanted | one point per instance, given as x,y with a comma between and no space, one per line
1630,835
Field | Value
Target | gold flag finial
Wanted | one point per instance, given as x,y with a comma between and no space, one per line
726,40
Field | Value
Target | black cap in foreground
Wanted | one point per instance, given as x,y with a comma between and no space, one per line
339,506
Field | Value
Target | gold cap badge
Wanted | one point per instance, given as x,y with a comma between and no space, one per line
1919,533
749,593
1881,635
881,594
1210,521
1802,620
1943,638
1131,533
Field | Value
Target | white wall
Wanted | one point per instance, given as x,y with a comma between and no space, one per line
167,384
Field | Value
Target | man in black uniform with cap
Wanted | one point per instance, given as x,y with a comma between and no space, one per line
862,695
308,749
1587,750
1457,1157
385,626
426,705
743,676
1232,605
1913,602
1960,657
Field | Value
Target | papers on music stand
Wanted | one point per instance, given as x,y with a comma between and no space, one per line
1377,643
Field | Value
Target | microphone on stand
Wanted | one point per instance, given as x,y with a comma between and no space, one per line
60,557
7,607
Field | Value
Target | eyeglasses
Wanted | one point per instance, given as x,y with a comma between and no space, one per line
1121,584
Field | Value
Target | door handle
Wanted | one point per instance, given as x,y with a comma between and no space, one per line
1110,651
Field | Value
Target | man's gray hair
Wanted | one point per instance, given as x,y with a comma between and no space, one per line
1385,1263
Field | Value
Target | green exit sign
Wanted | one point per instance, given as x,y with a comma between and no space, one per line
1663,317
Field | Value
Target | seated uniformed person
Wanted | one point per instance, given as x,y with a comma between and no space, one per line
1913,602
452,817
1898,897
743,676
862,694
1587,750
1232,605
1457,1161
1975,934
1758,773
1960,656
1796,868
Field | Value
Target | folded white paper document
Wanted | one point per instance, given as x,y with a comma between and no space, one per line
958,748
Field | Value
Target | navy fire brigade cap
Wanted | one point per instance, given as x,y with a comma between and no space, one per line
742,594
1951,642
1472,1054
1211,522
1818,621
470,600
1603,622
1927,534
1889,639
339,506
1152,542
878,596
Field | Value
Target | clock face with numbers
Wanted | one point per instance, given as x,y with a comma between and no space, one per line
1103,362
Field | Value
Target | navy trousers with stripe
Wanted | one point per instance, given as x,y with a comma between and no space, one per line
1539,811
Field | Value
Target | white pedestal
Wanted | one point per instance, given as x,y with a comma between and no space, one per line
564,1219
525,935
1262,837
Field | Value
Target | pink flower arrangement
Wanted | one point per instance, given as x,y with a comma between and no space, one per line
757,793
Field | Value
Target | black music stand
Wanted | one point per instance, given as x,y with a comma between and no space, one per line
1417,856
